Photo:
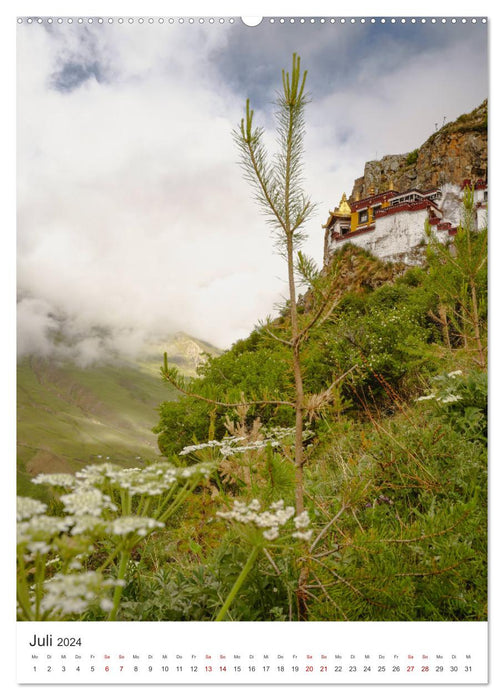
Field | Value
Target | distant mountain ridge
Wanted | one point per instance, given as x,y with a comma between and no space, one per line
183,350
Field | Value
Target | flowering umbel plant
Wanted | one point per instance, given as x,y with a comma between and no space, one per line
107,512
275,526
268,522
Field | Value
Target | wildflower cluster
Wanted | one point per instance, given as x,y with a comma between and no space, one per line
152,480
268,521
73,594
38,534
64,481
136,525
227,446
28,507
108,510
231,445
87,501
285,434
447,389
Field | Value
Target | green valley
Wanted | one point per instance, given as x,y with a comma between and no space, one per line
69,416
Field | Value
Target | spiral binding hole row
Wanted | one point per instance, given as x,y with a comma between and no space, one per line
271,20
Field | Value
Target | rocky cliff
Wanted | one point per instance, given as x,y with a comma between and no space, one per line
456,152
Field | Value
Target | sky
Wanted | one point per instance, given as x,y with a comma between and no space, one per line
133,213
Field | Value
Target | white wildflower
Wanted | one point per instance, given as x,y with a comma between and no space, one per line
42,527
302,535
271,534
87,502
95,474
40,547
302,520
63,480
268,520
153,480
75,565
284,515
426,398
451,398
455,373
87,523
226,515
194,448
130,524
28,507
240,507
72,594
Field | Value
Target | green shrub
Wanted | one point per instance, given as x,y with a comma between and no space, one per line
412,157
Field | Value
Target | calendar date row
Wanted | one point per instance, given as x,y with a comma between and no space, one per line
259,669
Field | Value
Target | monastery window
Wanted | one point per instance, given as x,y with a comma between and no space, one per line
363,216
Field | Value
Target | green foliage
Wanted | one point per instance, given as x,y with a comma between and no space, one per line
194,592
181,423
256,368
412,157
410,543
458,277
386,333
278,182
462,400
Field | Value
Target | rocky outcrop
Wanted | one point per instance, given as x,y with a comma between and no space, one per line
457,152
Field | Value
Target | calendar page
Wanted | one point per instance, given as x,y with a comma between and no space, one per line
252,326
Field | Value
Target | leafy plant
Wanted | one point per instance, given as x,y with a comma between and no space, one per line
412,157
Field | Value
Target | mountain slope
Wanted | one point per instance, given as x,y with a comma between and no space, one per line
69,416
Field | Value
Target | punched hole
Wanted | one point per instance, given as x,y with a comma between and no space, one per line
251,21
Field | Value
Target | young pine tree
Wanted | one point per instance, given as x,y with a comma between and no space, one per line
277,183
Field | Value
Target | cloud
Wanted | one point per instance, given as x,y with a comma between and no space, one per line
132,211
36,326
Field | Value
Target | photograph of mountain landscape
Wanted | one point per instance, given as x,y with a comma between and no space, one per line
252,319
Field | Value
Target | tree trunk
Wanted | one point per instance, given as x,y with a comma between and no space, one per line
298,380
475,322
445,327
298,449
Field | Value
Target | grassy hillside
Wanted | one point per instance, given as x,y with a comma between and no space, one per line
70,416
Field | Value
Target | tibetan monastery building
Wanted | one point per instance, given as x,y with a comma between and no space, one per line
391,224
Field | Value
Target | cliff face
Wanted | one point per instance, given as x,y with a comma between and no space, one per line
456,152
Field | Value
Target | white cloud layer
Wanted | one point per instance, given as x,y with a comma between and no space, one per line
132,211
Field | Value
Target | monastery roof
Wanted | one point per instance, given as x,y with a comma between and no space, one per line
407,206
373,199
342,212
